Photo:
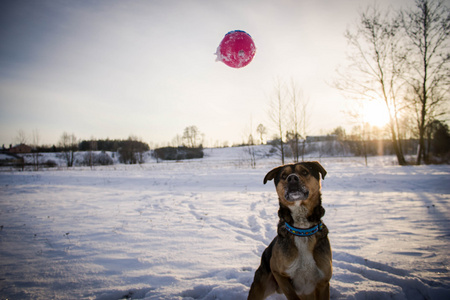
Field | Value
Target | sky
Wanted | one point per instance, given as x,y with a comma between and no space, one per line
111,69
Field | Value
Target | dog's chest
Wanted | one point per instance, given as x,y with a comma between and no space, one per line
303,271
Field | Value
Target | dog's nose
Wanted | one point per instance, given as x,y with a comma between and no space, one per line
293,178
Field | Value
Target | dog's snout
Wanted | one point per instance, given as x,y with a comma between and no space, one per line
293,178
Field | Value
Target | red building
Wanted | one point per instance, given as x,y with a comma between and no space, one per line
21,148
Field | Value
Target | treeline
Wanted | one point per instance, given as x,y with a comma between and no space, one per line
178,153
104,151
113,145
98,145
130,151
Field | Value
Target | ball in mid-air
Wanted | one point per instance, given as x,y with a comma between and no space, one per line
237,49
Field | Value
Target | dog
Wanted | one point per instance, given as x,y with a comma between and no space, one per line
298,262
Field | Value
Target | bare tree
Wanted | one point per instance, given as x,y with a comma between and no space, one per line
298,121
69,144
192,137
304,124
177,141
277,114
376,67
262,131
89,158
361,129
427,27
35,152
21,137
293,134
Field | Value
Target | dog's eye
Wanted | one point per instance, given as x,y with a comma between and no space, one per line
304,172
284,176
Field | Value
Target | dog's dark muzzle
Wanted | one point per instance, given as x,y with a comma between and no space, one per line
295,189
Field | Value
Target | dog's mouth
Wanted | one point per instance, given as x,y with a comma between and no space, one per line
295,190
298,194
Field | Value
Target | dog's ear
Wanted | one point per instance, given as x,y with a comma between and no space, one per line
272,174
317,167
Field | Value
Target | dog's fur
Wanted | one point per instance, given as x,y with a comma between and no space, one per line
299,267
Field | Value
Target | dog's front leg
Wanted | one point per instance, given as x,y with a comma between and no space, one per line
263,284
322,291
286,286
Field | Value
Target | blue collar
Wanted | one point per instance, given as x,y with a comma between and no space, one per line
304,232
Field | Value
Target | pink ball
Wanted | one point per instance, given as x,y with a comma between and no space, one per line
237,49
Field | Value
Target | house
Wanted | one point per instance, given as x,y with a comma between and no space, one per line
21,148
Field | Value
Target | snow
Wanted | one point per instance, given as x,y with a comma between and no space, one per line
196,229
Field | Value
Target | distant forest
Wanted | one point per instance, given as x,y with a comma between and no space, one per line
99,145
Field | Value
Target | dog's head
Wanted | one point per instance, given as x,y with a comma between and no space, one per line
298,183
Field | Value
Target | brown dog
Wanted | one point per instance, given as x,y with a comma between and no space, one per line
298,261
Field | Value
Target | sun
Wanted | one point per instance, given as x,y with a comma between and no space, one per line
375,113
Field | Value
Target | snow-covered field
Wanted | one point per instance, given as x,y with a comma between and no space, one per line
196,230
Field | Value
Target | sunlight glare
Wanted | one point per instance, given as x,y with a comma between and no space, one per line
376,114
